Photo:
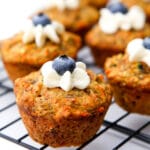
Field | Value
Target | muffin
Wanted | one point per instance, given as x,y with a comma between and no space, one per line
117,26
75,17
129,76
42,40
95,3
63,104
145,4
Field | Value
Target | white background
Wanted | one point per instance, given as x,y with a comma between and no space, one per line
13,13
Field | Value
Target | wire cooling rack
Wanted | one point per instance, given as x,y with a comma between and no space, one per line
120,129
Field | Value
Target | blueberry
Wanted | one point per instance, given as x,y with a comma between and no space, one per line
41,19
146,42
63,63
117,7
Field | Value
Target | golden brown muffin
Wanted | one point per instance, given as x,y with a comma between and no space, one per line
57,118
95,3
20,59
116,27
78,20
105,45
142,3
130,82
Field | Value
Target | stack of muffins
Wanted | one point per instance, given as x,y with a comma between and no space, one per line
60,101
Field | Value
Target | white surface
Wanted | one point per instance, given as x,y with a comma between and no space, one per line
106,141
7,99
114,113
13,13
6,145
135,145
8,116
11,130
29,141
134,121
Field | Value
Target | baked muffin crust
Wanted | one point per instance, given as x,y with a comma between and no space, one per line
135,74
116,42
130,83
79,20
15,51
58,118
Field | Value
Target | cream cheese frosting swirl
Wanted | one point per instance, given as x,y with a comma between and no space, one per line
137,52
111,22
78,78
40,33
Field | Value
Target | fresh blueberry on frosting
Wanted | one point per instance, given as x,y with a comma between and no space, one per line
40,28
117,7
137,52
63,64
116,17
146,42
63,72
41,19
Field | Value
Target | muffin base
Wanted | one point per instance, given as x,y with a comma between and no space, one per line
18,70
132,100
100,55
69,131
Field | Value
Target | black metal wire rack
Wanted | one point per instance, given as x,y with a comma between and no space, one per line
120,129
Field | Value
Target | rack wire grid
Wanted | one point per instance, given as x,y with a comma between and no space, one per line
120,130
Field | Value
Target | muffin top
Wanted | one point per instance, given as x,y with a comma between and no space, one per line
15,51
39,100
133,68
94,3
74,20
43,40
117,26
145,4
117,41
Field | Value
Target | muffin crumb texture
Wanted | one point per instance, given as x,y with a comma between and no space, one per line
130,82
20,59
58,118
78,21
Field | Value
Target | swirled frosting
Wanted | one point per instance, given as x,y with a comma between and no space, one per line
111,22
137,52
40,33
78,78
63,4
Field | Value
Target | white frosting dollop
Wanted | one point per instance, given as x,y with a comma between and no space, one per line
63,4
78,78
137,52
40,33
111,22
